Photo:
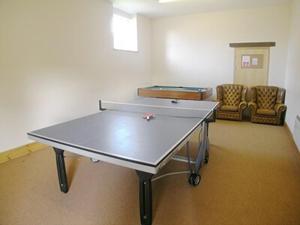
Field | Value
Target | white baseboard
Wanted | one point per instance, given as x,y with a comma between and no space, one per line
296,133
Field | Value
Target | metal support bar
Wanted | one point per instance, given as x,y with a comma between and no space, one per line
189,156
145,195
207,140
202,148
61,170
184,159
202,154
170,174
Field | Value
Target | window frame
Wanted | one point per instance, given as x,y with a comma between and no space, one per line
125,15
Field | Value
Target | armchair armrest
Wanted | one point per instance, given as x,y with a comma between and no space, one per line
279,108
219,93
242,106
219,105
253,107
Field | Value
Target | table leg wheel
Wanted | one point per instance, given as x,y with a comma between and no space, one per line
194,179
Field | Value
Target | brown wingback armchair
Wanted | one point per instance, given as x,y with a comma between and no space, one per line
232,101
267,105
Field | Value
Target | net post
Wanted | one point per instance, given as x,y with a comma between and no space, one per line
100,106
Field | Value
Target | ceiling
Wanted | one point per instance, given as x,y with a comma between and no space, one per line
152,8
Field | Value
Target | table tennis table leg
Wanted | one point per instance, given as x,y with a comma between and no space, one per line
202,149
211,119
61,170
145,195
207,145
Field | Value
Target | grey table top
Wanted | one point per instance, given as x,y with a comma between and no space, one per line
126,135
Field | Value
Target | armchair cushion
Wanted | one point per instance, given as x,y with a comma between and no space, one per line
267,112
229,108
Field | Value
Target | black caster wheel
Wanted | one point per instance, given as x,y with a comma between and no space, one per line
194,179
206,157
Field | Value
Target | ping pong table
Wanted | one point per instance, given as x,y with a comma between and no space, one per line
143,134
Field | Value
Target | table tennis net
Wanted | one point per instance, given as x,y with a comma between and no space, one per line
155,109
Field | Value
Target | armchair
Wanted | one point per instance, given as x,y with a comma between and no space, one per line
232,101
267,105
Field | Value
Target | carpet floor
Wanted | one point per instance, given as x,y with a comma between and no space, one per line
252,178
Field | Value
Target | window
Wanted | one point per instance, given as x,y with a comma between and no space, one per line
124,29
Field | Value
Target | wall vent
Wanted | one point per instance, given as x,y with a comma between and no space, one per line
297,132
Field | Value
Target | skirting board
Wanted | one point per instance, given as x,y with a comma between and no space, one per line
20,151
296,132
291,136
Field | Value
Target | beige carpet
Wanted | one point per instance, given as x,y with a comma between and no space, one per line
253,178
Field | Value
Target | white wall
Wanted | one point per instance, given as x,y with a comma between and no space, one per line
56,61
56,57
293,68
194,50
